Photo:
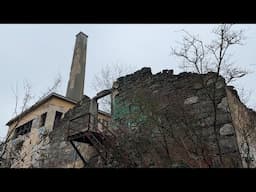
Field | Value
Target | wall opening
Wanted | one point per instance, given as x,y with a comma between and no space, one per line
42,120
104,104
23,129
58,116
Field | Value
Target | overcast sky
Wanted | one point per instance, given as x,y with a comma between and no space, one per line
37,53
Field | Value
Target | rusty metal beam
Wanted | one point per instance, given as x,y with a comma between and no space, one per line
79,154
102,94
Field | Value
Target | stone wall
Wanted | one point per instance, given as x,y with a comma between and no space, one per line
170,120
244,121
177,100
61,154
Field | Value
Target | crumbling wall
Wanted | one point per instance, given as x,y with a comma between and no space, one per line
30,149
26,150
244,122
177,104
61,154
179,98
47,146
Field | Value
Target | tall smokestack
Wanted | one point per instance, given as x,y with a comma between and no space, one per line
75,89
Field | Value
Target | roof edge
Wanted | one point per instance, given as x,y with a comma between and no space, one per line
38,103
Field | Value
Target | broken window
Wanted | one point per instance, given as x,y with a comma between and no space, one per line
57,118
42,120
23,129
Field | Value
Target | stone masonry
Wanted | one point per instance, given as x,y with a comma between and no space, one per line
61,154
182,106
183,92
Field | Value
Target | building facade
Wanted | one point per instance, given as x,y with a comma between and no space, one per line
156,120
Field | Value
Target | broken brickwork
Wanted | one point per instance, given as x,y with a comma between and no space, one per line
170,123
181,105
61,153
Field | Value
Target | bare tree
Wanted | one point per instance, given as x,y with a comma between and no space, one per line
13,154
149,130
145,126
201,58
244,95
106,77
25,103
247,134
56,84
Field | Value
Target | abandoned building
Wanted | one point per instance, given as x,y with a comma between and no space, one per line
29,131
168,119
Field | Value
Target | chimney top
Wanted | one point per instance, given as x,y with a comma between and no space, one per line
75,88
81,33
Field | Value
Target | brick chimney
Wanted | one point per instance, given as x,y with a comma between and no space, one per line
75,89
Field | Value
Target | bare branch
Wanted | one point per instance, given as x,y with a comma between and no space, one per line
105,79
54,87
194,57
15,92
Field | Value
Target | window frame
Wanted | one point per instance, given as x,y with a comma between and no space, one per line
23,129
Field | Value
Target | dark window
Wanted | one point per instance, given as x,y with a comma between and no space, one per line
57,118
23,129
42,120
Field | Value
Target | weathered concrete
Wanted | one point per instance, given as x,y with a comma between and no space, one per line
30,149
75,87
60,153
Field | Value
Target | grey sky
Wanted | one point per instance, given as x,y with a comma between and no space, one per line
39,52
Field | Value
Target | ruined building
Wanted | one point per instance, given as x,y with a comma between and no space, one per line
29,132
156,120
